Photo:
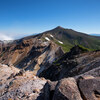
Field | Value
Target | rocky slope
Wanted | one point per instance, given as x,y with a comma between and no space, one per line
36,68
76,62
30,53
16,84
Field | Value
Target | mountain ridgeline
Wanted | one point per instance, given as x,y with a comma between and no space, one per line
70,38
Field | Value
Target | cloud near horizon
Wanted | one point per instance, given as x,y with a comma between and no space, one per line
5,37
12,36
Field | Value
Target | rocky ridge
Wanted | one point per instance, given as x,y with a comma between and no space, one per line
78,61
30,53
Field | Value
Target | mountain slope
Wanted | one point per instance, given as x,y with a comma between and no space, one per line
67,38
73,63
30,53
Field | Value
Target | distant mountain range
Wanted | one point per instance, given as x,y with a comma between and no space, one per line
95,34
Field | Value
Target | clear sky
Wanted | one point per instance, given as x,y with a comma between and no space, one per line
25,17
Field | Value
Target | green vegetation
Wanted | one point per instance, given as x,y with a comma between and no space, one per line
71,38
57,64
85,49
65,47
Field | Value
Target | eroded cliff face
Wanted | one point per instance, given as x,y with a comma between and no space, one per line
30,54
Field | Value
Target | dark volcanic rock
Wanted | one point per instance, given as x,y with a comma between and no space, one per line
49,90
67,90
78,61
94,72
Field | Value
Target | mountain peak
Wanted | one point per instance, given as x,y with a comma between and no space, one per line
59,27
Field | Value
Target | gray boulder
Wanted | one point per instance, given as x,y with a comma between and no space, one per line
67,90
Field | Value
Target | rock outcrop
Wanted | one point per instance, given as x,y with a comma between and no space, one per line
30,53
17,84
78,61
67,90
90,88
24,86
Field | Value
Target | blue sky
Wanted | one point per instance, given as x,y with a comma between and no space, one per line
24,17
